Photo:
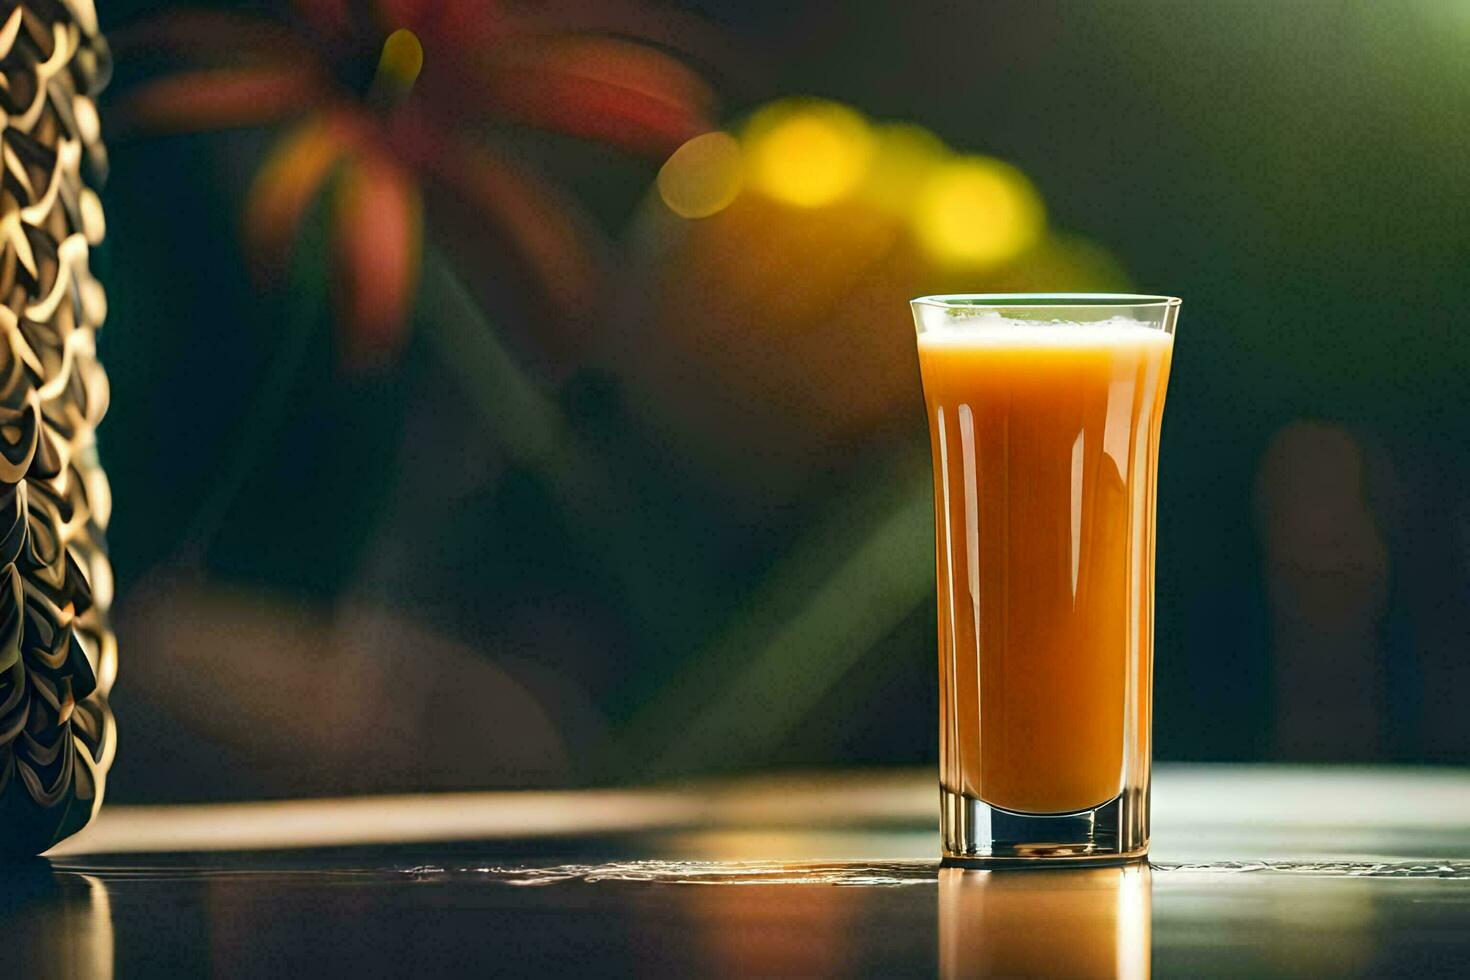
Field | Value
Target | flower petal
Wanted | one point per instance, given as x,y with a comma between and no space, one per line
609,61
549,230
421,16
662,24
598,109
377,235
219,98
286,184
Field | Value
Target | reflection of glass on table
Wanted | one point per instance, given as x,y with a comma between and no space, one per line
1066,922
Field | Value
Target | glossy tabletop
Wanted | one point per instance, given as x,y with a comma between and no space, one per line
1268,871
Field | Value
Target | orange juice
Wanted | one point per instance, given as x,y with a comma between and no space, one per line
1045,441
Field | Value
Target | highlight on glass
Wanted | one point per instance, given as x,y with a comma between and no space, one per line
1044,416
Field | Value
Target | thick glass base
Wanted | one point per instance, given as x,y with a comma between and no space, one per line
978,835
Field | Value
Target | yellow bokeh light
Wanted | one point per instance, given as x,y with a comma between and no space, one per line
703,176
808,152
977,211
905,156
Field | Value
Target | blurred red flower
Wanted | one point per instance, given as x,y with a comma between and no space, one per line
400,97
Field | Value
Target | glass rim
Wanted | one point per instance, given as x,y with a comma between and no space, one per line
1003,301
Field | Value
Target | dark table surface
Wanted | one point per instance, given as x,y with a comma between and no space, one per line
1268,871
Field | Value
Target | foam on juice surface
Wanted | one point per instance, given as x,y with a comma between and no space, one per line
990,329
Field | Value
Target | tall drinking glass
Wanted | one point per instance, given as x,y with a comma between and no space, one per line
1044,415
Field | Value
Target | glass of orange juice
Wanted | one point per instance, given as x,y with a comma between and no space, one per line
1044,415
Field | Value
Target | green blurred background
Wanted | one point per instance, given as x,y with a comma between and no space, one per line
573,529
